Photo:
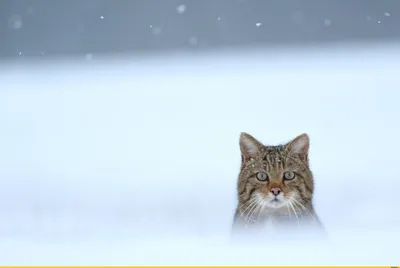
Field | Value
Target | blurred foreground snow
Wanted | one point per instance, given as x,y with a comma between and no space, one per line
135,162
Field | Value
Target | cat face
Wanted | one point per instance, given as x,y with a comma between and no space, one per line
275,177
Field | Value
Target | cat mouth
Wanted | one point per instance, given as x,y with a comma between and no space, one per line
276,202
273,202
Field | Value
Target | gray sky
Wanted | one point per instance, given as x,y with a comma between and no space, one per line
45,28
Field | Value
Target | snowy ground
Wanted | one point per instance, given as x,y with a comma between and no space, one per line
135,162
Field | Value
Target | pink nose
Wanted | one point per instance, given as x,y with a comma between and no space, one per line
276,190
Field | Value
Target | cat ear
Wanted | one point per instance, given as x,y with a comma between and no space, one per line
300,146
249,146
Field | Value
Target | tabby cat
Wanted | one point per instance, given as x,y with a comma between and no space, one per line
275,185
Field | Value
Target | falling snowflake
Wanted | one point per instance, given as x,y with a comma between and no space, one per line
258,24
327,22
89,56
379,21
15,22
387,14
181,9
102,17
20,53
193,41
218,18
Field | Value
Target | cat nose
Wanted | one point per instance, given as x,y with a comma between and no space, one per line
276,190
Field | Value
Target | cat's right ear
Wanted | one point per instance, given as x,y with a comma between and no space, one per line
249,146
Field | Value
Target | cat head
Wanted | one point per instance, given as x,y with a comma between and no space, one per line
275,176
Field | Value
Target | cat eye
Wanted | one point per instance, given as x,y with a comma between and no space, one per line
262,176
288,175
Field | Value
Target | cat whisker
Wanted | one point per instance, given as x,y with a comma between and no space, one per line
254,206
261,210
248,214
248,203
253,210
305,201
258,207
304,208
299,209
245,203
254,201
287,207
294,210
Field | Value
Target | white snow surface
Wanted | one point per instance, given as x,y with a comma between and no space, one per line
129,161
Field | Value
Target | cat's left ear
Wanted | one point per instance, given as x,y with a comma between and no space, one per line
300,146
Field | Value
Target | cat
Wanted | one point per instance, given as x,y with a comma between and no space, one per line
275,187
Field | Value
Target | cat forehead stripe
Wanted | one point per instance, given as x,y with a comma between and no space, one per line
276,148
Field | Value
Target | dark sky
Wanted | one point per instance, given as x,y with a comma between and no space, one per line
46,28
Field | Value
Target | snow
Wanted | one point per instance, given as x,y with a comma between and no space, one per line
15,22
193,40
134,161
181,9
89,56
327,22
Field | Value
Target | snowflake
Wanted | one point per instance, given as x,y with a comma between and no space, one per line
181,9
327,22
15,22
89,56
193,41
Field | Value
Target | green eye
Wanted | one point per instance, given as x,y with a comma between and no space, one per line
289,175
262,176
